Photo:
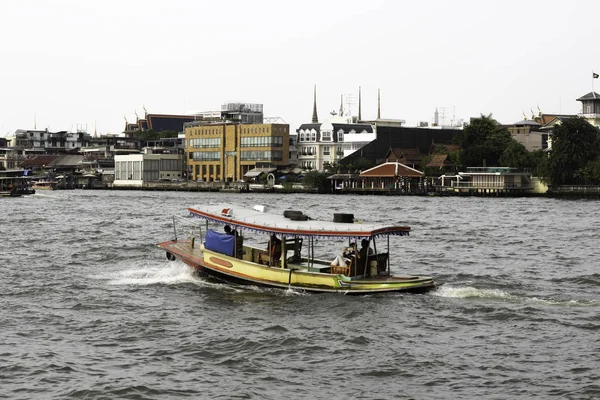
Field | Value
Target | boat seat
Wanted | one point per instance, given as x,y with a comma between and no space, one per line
341,269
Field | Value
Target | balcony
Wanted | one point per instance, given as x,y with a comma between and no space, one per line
590,116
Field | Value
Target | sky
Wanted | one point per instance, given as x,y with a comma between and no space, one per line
69,64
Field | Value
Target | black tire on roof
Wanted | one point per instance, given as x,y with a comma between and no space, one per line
343,217
290,213
300,217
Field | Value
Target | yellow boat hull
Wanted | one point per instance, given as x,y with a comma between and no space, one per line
248,272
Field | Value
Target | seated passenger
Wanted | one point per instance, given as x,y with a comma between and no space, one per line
345,258
274,248
361,258
239,246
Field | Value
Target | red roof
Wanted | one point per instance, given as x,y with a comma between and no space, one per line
391,170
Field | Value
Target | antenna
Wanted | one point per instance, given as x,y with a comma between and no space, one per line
349,101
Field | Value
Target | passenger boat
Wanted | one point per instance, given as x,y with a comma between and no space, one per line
44,185
287,259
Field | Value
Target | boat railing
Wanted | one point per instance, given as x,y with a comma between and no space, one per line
184,226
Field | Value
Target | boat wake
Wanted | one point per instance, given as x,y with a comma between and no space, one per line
169,273
468,292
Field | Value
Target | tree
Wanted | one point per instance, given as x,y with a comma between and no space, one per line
483,141
515,155
316,180
361,164
575,143
152,135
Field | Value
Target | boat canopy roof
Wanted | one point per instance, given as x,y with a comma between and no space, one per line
254,219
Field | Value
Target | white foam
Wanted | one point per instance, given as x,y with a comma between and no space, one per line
169,274
467,292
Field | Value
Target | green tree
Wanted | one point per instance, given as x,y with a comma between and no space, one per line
483,141
515,155
575,143
316,180
152,135
361,164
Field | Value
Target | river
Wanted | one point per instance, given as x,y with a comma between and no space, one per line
91,309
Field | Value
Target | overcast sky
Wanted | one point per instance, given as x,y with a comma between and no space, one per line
90,63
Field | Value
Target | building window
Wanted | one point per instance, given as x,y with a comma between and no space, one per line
313,136
206,143
325,150
206,155
261,155
340,136
261,141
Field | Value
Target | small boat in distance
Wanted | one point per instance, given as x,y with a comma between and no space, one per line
44,185
224,255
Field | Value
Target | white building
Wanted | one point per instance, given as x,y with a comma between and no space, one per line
329,142
135,169
49,141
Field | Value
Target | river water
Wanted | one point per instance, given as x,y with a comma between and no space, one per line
91,309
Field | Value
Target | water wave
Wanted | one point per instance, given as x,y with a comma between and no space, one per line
169,273
466,292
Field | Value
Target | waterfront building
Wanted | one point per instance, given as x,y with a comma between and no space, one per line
326,143
590,108
49,142
28,143
135,169
231,150
393,176
487,180
529,134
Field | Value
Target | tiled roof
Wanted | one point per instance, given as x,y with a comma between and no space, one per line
358,128
590,96
308,127
67,161
527,122
438,160
391,170
38,161
406,155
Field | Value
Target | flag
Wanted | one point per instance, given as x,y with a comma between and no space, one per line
595,75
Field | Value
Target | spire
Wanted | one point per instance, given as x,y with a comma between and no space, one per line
378,104
359,104
315,118
341,105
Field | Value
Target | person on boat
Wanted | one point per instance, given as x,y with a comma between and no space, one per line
365,251
238,241
344,259
350,251
274,248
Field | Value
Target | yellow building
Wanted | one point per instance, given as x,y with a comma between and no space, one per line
227,151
